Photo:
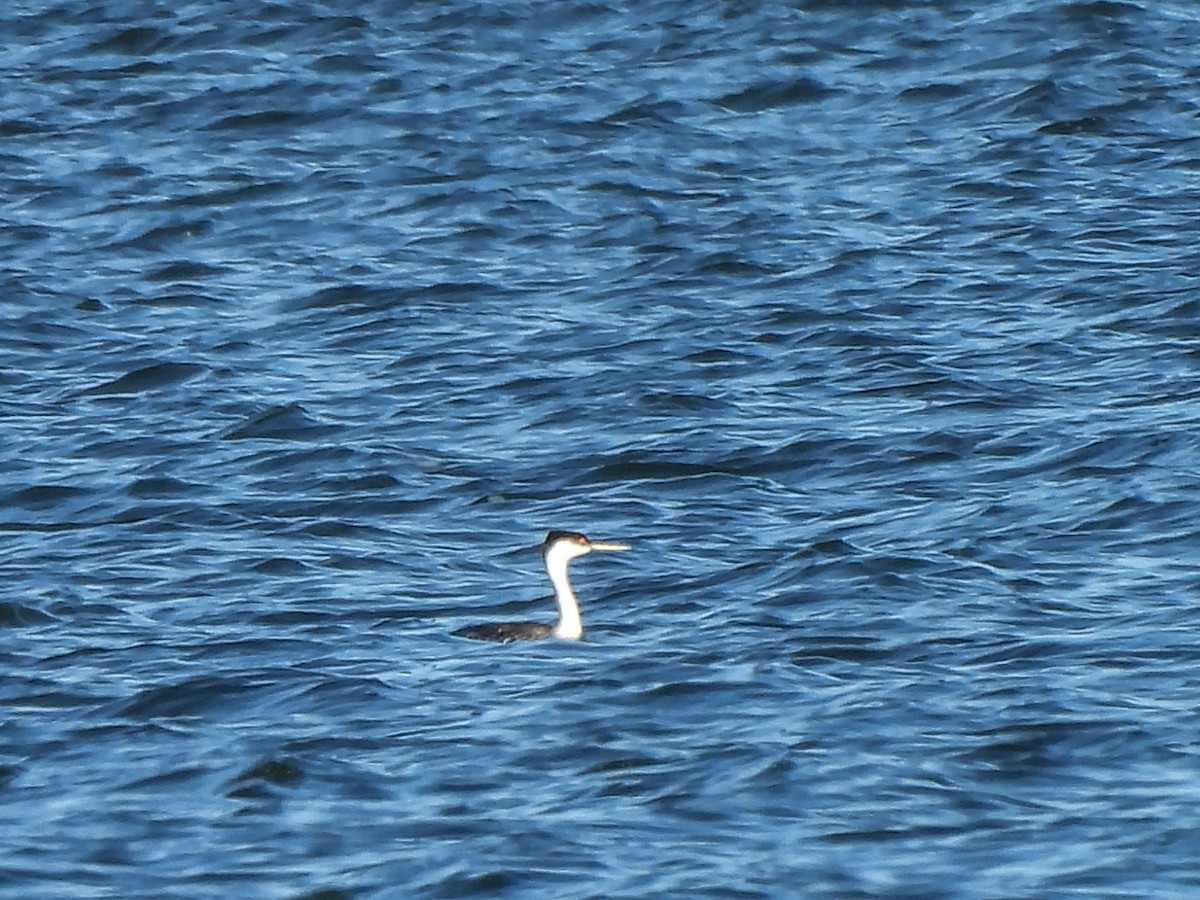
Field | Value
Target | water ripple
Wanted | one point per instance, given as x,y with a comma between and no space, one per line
872,330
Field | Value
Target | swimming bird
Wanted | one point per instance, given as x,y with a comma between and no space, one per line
559,548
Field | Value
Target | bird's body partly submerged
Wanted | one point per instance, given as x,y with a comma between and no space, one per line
507,632
559,548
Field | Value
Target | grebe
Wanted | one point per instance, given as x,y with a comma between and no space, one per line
559,548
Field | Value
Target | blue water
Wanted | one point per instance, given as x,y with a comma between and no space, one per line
874,327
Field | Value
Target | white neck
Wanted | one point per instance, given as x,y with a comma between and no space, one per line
570,625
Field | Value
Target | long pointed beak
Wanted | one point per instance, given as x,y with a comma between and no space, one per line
606,545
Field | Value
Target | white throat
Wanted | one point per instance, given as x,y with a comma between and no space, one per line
570,625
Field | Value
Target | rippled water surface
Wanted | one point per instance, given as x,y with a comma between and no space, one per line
874,327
